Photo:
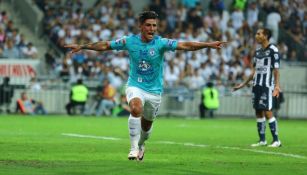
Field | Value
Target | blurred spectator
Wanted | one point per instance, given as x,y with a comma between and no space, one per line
6,94
272,23
78,98
252,14
107,101
172,73
239,4
29,106
35,85
209,101
237,18
10,51
190,3
3,17
2,37
121,109
216,6
182,20
29,51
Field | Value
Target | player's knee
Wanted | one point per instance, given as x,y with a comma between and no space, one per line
136,111
136,107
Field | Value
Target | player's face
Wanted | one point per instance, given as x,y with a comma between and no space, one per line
260,37
148,29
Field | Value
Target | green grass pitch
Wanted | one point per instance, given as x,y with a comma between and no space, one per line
62,145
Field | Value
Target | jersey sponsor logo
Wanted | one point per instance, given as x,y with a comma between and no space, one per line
145,68
261,69
267,53
143,65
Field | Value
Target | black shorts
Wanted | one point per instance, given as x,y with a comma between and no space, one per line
262,98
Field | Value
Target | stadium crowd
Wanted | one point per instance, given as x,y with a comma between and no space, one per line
13,44
70,22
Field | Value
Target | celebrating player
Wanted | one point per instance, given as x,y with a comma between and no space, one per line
265,77
145,82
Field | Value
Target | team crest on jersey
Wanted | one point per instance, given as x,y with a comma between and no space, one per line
152,52
267,53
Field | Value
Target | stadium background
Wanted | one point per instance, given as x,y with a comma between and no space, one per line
52,23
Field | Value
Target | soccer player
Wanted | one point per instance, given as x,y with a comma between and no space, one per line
265,77
145,82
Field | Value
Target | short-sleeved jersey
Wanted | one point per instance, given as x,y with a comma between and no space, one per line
264,62
146,60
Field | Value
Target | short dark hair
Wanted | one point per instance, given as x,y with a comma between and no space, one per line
210,84
147,15
79,81
6,80
267,32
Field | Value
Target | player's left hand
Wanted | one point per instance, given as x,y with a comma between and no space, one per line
276,91
217,44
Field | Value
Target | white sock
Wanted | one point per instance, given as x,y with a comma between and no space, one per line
144,136
272,119
134,126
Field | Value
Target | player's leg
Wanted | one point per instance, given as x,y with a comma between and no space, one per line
261,125
274,129
151,108
201,111
136,102
260,117
146,129
269,116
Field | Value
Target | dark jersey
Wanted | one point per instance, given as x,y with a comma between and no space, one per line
264,62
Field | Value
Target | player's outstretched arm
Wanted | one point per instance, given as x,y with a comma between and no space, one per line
239,86
97,46
192,45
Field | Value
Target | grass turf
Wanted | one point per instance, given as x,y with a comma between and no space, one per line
35,145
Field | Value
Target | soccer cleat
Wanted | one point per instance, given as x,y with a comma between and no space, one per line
275,144
141,153
133,155
260,143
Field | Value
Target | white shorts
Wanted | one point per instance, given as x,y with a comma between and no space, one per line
151,102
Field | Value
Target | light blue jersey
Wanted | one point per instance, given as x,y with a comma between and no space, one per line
146,60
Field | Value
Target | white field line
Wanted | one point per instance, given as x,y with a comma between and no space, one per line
192,145
90,136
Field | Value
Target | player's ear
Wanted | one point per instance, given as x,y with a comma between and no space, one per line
140,26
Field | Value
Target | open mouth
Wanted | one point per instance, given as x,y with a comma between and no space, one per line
150,34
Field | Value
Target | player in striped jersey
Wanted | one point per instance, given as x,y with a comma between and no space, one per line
265,76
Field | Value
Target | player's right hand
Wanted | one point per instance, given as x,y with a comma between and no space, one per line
74,47
238,87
